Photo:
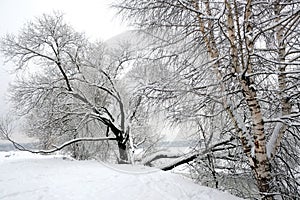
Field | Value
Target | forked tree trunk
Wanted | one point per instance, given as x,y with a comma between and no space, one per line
259,161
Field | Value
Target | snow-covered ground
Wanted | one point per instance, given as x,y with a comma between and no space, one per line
25,176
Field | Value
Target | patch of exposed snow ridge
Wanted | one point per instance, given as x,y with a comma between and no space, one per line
27,176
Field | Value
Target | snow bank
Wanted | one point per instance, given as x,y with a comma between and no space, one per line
25,176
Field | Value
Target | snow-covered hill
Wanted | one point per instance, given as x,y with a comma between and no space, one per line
25,176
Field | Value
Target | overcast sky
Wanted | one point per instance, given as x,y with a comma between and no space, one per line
90,16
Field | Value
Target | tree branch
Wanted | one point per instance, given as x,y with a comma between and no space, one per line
60,147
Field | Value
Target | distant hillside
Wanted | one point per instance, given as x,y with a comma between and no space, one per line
134,37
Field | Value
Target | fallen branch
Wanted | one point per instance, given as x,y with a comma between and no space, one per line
159,155
190,157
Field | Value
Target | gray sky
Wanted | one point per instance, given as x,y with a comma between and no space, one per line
90,16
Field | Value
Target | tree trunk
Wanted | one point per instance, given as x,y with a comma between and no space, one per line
259,161
123,159
260,165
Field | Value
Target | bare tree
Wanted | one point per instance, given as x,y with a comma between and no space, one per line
74,83
6,127
251,73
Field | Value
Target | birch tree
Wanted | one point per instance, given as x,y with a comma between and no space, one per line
253,63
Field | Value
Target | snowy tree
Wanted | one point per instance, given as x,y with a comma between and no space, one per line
6,127
251,74
68,85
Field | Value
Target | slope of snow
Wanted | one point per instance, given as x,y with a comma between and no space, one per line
25,176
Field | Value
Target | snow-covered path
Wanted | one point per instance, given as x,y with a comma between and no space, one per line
34,177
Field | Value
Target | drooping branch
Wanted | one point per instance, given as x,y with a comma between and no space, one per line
20,147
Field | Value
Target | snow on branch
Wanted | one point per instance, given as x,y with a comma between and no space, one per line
159,155
190,157
271,145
